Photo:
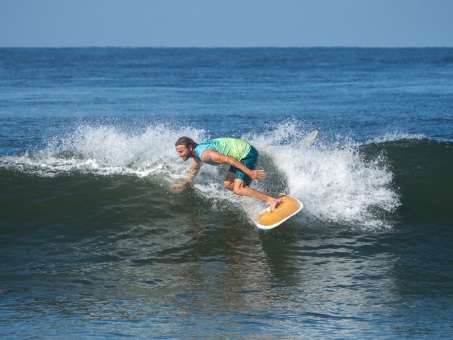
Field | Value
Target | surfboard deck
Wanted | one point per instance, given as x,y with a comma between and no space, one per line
288,208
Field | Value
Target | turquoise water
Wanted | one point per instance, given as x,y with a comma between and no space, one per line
94,244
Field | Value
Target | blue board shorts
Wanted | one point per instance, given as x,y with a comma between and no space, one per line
249,161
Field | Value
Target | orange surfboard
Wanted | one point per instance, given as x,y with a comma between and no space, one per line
289,207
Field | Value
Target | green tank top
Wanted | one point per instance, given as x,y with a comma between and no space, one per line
233,147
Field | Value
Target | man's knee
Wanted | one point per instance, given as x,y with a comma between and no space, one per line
228,185
239,190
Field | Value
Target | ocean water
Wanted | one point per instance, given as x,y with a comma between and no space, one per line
94,244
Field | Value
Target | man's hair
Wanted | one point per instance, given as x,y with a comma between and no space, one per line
186,141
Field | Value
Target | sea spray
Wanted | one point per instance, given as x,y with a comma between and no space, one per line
332,179
107,150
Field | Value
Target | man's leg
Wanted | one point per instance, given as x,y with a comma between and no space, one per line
240,188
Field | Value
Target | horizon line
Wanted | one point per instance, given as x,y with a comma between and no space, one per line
228,47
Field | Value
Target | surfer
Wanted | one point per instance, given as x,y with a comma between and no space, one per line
240,155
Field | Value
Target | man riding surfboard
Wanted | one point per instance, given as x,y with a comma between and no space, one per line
240,155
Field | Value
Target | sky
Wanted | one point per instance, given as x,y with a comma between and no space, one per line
226,23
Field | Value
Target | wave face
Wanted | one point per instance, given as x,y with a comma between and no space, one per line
341,182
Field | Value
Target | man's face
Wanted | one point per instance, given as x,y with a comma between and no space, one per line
184,151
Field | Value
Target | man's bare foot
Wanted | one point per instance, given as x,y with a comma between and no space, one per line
274,203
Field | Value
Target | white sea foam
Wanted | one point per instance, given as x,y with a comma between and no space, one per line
333,180
106,150
396,136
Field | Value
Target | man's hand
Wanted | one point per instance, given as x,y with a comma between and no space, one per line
255,174
178,188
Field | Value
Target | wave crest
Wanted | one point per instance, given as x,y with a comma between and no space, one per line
336,181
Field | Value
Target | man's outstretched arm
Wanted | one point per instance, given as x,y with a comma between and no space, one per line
192,173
